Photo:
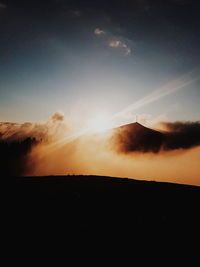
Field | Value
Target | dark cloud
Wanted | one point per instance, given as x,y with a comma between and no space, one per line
17,141
182,135
137,138
14,156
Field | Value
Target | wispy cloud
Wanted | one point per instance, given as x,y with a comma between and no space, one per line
113,41
58,116
120,44
98,31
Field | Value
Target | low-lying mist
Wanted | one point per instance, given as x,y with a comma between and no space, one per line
171,153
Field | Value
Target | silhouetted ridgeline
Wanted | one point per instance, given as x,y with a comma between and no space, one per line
99,207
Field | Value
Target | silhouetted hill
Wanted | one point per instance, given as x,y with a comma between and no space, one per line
91,207
136,137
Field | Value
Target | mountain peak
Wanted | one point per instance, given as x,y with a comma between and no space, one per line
135,126
137,137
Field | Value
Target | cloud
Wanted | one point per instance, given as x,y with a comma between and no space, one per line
113,41
58,116
26,149
181,135
94,154
18,140
98,31
119,44
173,136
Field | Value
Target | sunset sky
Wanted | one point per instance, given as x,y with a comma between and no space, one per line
83,58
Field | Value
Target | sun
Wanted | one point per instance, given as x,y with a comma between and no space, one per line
99,123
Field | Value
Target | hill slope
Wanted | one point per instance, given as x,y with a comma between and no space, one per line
101,206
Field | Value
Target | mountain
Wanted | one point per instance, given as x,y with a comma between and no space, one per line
136,137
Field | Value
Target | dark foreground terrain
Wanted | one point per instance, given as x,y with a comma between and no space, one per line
92,208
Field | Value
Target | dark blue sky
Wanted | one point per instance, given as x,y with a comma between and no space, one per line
85,57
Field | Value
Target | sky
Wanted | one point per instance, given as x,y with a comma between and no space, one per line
85,58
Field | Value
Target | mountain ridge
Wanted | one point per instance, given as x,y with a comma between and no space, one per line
100,206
